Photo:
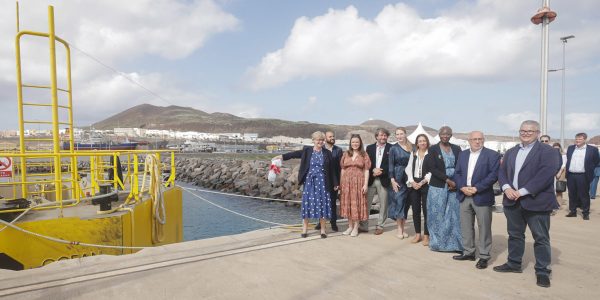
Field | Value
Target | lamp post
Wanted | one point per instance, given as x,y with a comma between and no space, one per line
544,16
564,40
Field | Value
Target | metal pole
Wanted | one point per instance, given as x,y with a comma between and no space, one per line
544,83
562,102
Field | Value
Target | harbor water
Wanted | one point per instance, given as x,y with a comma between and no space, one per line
202,220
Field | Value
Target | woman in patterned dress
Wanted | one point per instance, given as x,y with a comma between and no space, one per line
355,165
398,160
316,173
443,208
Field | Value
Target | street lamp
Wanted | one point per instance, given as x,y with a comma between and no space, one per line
544,16
564,40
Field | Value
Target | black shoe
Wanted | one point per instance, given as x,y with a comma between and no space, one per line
571,214
318,227
304,235
323,236
482,264
586,217
464,257
334,227
505,268
543,280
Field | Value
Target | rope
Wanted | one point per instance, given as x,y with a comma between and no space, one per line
155,188
237,213
245,196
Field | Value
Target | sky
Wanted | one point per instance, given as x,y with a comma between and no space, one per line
472,65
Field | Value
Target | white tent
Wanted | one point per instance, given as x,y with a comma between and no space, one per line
413,136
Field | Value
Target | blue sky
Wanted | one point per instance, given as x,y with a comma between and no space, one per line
468,64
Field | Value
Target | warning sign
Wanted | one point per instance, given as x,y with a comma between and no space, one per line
6,167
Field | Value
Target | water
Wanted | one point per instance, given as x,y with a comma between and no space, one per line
202,220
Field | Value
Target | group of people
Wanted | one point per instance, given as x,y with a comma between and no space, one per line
450,187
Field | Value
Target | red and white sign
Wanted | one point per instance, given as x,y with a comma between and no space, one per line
6,167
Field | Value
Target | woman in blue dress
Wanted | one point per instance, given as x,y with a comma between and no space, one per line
443,208
316,173
398,160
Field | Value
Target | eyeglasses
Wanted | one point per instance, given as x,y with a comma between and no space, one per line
528,131
476,139
545,141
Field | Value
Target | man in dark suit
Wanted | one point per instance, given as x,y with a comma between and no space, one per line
379,180
475,175
527,179
581,161
336,153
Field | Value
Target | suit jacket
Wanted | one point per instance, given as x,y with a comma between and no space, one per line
536,175
590,162
331,179
434,164
484,176
336,153
385,177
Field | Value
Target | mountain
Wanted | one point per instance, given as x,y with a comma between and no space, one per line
189,119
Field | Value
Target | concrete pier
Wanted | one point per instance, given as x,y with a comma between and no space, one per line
278,264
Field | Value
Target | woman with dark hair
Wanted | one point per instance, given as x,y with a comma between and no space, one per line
355,165
316,173
417,187
443,208
398,160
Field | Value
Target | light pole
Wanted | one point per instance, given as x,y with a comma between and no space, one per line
544,16
564,40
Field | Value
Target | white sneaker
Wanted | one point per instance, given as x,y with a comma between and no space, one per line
348,231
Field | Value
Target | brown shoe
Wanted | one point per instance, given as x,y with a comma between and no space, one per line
416,239
425,240
378,231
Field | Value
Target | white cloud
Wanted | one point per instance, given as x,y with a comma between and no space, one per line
470,41
586,122
512,121
368,99
117,33
398,45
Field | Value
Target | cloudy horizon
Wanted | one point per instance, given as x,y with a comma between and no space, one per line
468,64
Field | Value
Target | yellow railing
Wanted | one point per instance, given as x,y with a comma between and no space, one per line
38,181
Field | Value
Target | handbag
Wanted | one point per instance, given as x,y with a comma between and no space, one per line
561,186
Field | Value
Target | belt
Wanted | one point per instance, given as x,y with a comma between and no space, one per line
578,173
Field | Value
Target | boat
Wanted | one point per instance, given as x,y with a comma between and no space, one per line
62,203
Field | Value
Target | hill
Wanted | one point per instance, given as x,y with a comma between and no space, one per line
189,119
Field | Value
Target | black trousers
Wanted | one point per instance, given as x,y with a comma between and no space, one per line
418,200
579,192
334,196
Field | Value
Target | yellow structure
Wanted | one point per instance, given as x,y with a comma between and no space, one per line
64,204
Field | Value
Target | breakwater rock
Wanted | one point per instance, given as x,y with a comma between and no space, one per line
246,177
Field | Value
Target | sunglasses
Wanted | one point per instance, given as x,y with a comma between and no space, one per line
545,141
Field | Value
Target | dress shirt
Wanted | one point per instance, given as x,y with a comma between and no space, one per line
379,155
418,173
471,167
520,159
578,160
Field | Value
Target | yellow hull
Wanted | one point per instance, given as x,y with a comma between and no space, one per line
130,228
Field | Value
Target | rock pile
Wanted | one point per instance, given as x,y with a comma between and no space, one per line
246,177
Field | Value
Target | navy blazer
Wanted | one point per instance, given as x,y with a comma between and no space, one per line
536,175
331,179
336,153
434,164
385,176
484,175
590,162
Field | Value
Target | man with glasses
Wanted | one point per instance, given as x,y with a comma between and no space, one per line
581,162
527,179
476,173
545,139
